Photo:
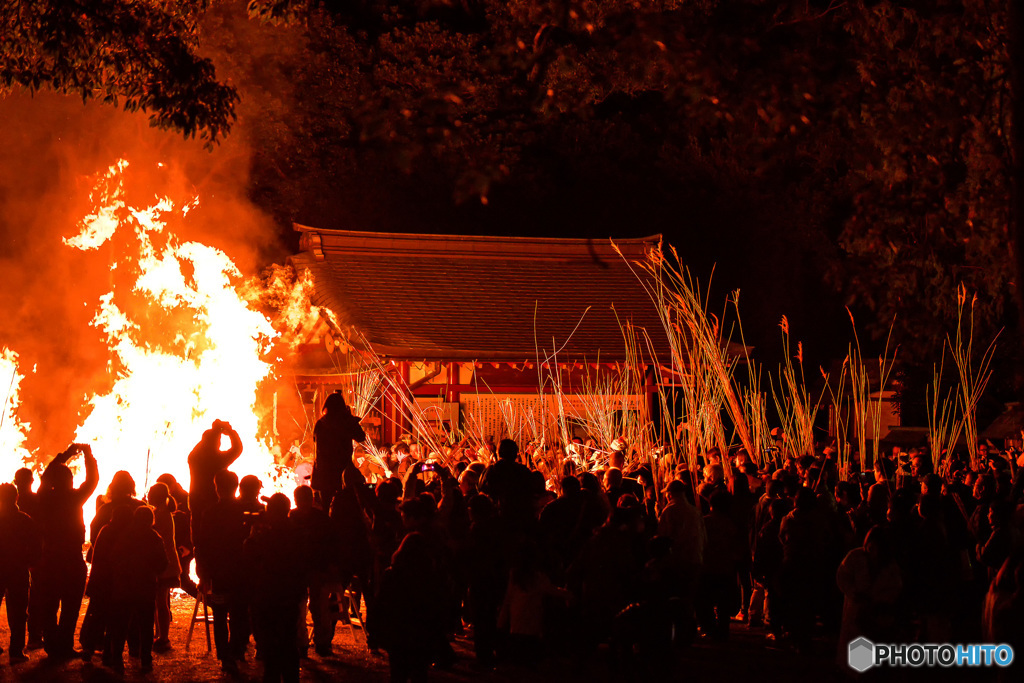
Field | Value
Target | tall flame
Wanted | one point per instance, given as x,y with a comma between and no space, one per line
13,453
186,348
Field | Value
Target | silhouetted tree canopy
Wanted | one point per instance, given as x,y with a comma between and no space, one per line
857,149
138,54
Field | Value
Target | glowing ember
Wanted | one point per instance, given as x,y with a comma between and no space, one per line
13,454
186,348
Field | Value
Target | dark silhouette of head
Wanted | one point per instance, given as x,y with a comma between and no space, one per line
173,487
278,508
352,478
481,509
303,497
249,487
8,497
589,482
508,450
23,479
158,495
226,483
335,405
388,493
122,485
570,486
59,478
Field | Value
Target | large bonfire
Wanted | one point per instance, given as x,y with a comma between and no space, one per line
187,345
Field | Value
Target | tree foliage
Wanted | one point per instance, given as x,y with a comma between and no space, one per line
867,137
138,54
862,143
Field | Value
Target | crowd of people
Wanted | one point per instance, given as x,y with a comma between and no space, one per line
604,554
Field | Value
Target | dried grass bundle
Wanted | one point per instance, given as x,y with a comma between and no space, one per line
839,419
867,412
973,381
796,407
943,426
600,404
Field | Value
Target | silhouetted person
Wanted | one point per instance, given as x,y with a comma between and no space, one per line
120,492
333,434
28,503
767,561
487,569
871,583
606,572
350,528
249,488
273,556
313,533
62,569
507,482
409,609
522,613
386,532
182,530
159,499
801,581
24,480
719,595
993,551
559,521
204,462
109,549
138,558
20,547
219,562
682,524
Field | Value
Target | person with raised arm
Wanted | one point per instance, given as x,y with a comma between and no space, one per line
204,462
62,569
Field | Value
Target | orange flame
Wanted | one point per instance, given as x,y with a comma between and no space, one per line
13,453
186,346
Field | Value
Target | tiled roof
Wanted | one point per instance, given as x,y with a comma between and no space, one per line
446,297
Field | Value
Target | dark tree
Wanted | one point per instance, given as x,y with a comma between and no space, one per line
141,55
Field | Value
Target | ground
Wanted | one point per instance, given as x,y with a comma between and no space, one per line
746,656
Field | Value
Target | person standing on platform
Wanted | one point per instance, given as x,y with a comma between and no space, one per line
333,435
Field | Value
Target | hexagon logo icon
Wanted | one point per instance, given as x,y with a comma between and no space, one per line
861,654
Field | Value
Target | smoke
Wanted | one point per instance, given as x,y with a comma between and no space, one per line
54,149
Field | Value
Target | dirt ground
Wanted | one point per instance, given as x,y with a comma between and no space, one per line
746,656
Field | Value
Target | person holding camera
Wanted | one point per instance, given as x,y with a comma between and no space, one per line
62,570
204,462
